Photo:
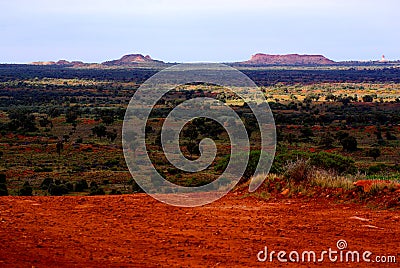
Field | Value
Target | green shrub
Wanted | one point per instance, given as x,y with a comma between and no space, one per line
334,162
379,168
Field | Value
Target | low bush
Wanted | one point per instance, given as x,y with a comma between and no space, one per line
298,171
326,179
376,169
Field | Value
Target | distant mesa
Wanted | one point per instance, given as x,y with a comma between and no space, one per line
43,63
290,59
131,59
60,63
259,59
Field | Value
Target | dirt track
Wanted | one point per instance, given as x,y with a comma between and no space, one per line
135,230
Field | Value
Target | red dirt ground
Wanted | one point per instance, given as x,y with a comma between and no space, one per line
136,230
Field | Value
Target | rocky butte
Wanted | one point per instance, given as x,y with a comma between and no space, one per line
290,59
131,59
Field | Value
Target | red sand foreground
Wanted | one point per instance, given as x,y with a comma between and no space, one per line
136,230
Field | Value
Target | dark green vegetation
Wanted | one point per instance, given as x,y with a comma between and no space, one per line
60,127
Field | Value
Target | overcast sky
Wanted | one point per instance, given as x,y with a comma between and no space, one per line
200,30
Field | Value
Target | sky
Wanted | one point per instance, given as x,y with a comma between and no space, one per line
197,31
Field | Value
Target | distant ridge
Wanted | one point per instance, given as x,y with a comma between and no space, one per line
258,59
289,59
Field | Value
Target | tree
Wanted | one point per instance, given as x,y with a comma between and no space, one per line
71,116
367,98
326,141
21,120
46,183
389,136
307,133
3,185
81,185
193,148
100,131
54,112
26,189
96,190
341,135
374,153
44,122
59,147
66,137
3,189
107,119
3,178
112,135
349,144
58,190
190,132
